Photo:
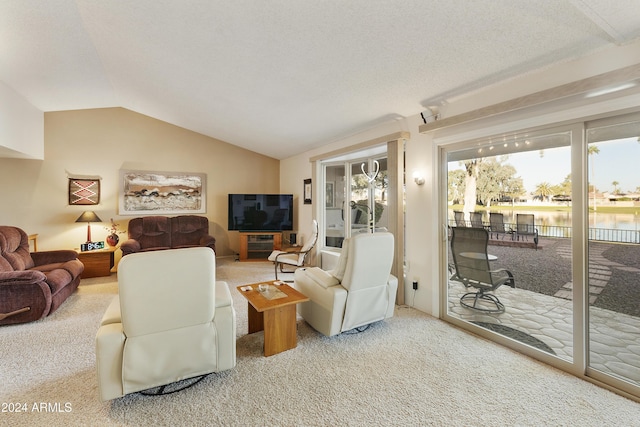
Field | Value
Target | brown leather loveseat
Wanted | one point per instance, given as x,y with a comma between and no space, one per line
153,233
33,285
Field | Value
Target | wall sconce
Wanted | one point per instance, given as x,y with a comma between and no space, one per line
88,217
418,178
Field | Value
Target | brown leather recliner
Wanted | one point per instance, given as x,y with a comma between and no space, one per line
153,233
33,285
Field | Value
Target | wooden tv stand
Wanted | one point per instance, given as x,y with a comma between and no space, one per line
257,246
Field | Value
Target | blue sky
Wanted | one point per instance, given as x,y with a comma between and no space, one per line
535,167
617,161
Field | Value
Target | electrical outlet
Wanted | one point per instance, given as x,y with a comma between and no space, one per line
415,285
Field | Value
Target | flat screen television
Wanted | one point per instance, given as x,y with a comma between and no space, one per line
260,212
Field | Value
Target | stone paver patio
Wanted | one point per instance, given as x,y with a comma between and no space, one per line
546,312
615,337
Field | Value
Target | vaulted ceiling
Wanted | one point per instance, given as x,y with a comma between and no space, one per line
280,77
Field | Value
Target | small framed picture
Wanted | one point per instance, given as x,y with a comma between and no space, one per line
84,191
307,191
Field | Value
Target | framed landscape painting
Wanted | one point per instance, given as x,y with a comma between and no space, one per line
162,193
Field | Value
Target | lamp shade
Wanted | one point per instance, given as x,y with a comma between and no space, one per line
88,216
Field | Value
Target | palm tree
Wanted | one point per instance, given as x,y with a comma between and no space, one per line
543,190
615,187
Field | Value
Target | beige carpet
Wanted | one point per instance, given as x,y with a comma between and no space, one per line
411,370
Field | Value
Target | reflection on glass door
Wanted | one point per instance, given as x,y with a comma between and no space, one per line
355,198
360,195
380,190
368,201
510,243
334,178
614,249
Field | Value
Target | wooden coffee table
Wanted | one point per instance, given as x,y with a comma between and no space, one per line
277,317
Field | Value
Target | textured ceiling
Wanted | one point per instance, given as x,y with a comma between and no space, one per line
280,77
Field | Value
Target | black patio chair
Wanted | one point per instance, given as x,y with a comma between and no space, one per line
525,227
496,221
476,219
471,268
459,217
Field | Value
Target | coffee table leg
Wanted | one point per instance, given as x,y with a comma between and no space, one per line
255,319
280,332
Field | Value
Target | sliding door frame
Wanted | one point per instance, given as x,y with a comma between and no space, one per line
394,148
579,366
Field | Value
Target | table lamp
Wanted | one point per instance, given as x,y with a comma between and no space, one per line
88,217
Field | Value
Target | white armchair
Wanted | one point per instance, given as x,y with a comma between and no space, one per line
359,291
171,321
295,259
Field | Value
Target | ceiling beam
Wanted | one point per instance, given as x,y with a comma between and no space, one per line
609,79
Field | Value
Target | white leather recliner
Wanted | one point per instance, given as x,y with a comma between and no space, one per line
359,291
171,321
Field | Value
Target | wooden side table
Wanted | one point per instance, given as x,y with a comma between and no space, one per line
277,317
97,263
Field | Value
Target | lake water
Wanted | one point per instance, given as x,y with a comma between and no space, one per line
563,219
603,226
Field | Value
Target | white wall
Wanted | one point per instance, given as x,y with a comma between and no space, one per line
421,261
100,142
33,192
21,127
424,234
422,229
294,170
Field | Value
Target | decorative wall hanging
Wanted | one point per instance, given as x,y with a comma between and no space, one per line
307,191
151,192
84,191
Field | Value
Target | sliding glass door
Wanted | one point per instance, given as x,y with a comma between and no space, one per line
555,241
359,206
614,248
362,191
515,192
